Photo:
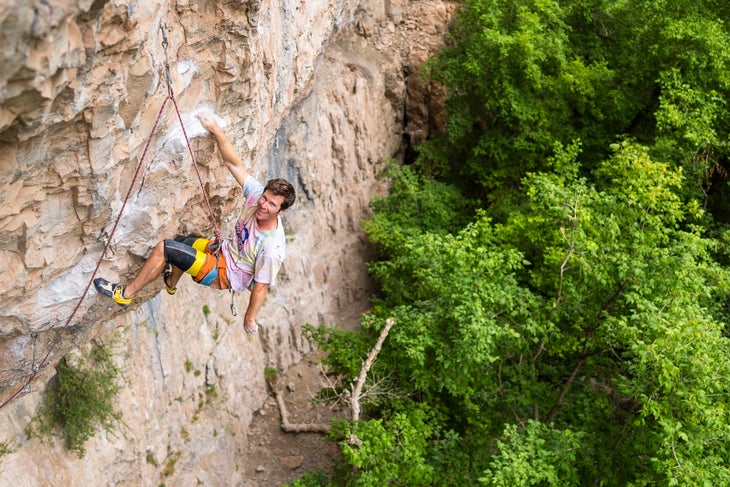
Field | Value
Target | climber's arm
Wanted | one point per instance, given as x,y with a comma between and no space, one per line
228,152
258,293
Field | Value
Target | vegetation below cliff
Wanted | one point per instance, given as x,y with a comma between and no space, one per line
556,261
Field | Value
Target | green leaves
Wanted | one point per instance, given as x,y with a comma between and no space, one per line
524,75
517,85
573,331
81,399
583,322
388,453
534,455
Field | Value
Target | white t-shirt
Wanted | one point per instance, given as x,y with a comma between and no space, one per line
253,255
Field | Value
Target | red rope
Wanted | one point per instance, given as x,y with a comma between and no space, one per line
197,171
61,332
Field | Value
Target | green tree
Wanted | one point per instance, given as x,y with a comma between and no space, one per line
527,76
573,330
635,346
586,320
518,83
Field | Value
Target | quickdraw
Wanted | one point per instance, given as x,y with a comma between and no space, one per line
234,312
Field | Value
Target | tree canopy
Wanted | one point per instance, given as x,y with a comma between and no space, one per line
527,76
556,262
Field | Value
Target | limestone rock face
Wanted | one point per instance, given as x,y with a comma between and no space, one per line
98,138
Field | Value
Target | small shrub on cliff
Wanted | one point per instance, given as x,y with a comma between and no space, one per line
80,399
8,447
271,374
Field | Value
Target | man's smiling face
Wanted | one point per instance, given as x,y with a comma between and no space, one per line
269,206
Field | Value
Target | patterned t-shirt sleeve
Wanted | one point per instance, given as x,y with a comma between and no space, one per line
252,189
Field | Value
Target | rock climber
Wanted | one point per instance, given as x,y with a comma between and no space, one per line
250,260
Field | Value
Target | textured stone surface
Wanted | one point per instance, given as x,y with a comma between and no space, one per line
318,92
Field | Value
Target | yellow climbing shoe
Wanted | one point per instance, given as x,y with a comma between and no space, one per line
114,291
166,273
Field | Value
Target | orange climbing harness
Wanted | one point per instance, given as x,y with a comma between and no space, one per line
107,237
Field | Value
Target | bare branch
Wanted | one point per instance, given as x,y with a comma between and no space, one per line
354,400
558,404
563,267
286,426
332,386
571,250
360,381
296,427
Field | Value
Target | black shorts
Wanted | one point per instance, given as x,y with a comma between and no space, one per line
200,258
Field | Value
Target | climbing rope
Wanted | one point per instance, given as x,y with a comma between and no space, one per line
171,97
107,237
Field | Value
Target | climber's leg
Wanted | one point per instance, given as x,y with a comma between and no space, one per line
149,272
195,256
123,295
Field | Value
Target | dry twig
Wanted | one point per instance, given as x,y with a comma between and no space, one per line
360,381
